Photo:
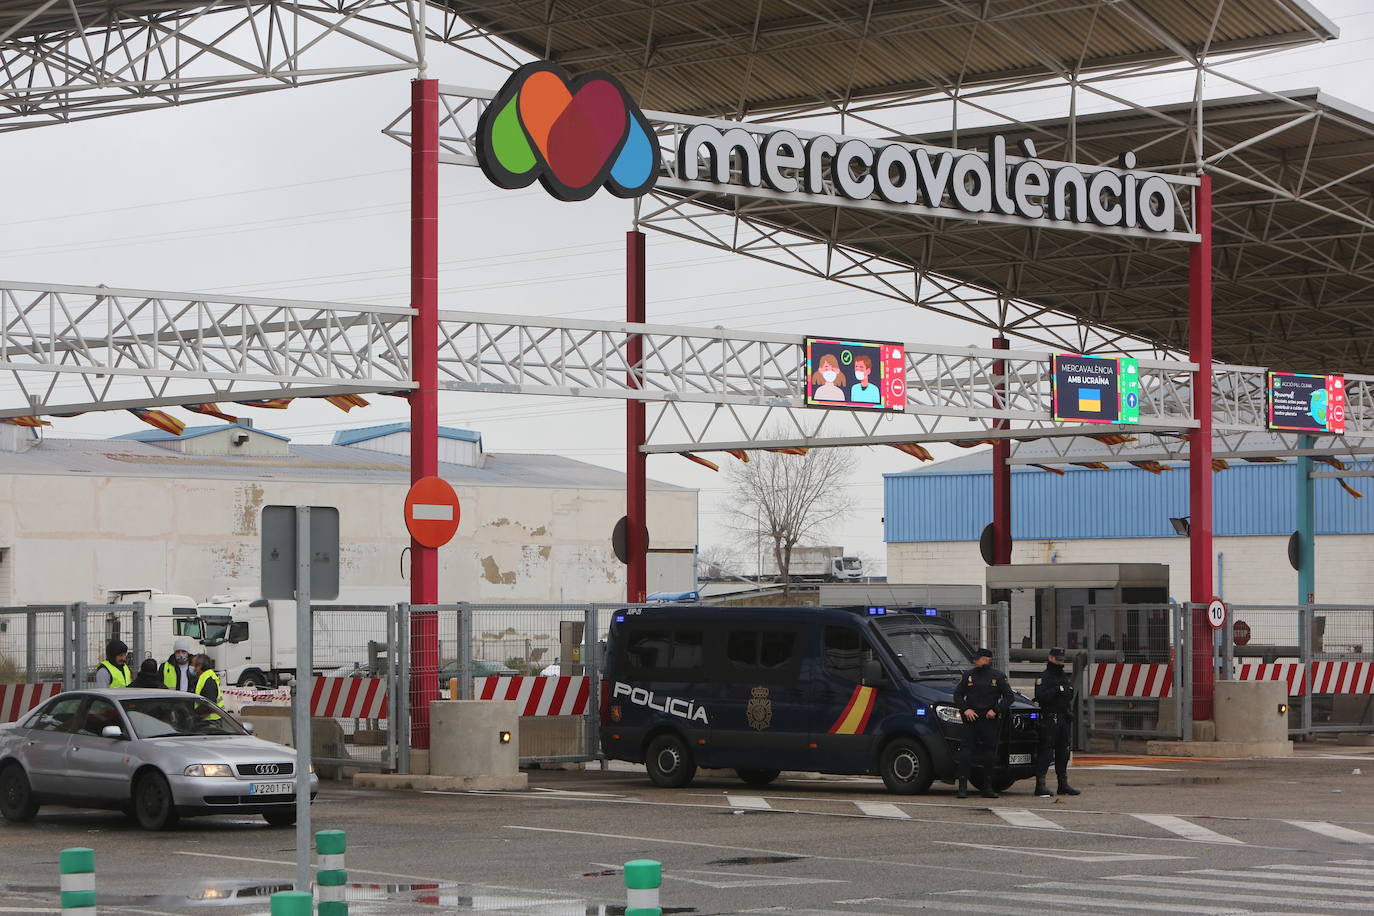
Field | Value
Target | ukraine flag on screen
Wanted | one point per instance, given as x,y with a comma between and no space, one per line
1089,400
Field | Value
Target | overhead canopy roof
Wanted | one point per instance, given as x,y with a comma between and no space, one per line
724,57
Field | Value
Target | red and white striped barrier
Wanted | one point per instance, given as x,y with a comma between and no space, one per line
17,699
1132,680
537,696
1275,671
1342,677
349,698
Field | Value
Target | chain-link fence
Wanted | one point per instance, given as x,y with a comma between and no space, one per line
1137,677
983,626
35,644
353,701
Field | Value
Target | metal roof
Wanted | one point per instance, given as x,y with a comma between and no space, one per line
192,432
331,464
727,57
352,436
1249,500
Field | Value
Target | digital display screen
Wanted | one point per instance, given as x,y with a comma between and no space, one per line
1306,403
855,374
1096,389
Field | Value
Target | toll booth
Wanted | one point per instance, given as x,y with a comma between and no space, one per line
1048,603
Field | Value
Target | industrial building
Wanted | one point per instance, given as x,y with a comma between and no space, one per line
935,514
180,513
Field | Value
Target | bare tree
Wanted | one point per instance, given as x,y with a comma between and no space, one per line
777,501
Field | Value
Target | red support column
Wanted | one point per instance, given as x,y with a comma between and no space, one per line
1001,471
1200,450
636,483
424,400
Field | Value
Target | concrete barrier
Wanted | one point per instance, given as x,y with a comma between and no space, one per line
1249,719
473,744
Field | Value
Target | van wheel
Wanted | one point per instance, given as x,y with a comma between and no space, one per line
758,777
905,767
1001,783
17,803
670,762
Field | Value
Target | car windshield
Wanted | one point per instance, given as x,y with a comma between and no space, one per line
852,563
926,651
177,715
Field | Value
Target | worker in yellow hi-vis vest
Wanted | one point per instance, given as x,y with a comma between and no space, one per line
207,681
113,671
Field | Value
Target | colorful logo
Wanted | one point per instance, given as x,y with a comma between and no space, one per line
572,135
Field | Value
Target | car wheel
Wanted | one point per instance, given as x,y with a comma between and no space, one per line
757,777
154,806
670,762
905,767
17,801
284,818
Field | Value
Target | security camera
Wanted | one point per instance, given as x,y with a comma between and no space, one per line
238,438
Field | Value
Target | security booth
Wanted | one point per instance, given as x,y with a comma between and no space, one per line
1049,603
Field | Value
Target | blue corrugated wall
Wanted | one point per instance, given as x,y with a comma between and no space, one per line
1249,499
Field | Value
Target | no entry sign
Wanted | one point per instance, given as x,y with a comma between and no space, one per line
432,511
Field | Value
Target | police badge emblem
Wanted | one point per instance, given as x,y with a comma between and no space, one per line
759,713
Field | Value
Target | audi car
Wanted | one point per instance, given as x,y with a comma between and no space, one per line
157,754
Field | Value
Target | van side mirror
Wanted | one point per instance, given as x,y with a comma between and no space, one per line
873,675
238,631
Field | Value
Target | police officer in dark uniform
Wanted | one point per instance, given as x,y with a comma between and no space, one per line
983,698
1054,695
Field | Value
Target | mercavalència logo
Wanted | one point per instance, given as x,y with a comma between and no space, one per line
573,136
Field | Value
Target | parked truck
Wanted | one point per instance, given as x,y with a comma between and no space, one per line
822,564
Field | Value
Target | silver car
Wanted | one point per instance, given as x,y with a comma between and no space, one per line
158,754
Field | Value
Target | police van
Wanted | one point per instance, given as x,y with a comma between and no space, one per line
863,690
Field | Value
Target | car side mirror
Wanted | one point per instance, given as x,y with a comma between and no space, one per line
873,675
112,731
248,727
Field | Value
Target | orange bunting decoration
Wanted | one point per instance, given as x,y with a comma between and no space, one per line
268,403
157,418
972,443
915,451
1154,467
701,461
210,410
1265,460
739,453
1349,489
1336,463
1113,438
1046,467
789,450
31,422
346,402
1091,465
397,394
1220,464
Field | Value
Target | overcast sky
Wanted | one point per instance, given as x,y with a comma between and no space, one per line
298,194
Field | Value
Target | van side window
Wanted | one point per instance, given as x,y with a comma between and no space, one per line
664,651
845,653
763,655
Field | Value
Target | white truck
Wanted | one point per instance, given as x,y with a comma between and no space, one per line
823,564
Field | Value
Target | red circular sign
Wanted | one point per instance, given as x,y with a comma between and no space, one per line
1240,633
432,512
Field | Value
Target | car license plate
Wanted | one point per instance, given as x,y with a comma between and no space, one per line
271,788
1019,760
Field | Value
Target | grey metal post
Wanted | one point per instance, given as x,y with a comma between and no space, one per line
401,724
1305,620
1179,625
591,720
139,635
305,684
392,688
464,611
1002,622
1080,699
74,676
31,646
1090,633
1185,662
1228,643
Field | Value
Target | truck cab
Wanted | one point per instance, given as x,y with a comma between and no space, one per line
860,690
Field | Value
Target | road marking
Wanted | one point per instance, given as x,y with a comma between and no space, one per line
752,802
881,809
1124,766
1294,875
951,906
1071,855
1196,891
1344,834
1077,900
1186,829
1240,883
890,863
721,880
1358,872
1020,818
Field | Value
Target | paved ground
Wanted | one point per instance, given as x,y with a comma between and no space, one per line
1148,835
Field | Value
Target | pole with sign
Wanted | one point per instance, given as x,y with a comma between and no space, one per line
1216,613
300,559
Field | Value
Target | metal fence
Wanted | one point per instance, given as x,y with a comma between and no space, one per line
354,703
984,626
1324,652
1136,675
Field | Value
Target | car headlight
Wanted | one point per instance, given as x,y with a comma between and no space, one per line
948,714
216,770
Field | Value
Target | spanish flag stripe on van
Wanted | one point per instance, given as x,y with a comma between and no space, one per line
855,716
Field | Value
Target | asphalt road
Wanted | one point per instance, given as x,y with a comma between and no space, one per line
1148,835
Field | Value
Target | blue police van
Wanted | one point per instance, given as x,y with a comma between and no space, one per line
860,690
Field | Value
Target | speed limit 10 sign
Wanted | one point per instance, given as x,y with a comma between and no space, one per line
1216,613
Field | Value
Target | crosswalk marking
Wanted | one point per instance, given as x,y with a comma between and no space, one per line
1020,818
1295,874
953,906
1186,829
752,802
881,809
1196,892
1338,869
1023,897
1345,834
1192,882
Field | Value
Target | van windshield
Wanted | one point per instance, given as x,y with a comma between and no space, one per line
926,651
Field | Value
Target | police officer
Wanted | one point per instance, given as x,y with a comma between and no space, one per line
1054,695
113,670
983,698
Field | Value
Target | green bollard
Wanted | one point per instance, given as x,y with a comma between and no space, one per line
292,903
77,866
642,879
331,875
